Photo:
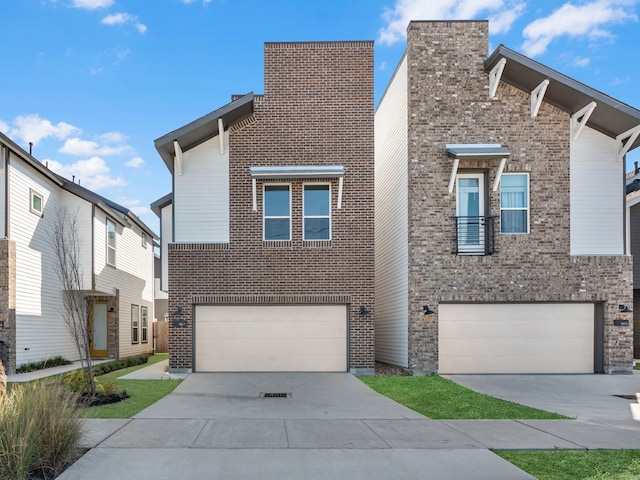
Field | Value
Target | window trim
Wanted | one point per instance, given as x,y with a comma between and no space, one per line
144,240
527,209
304,217
135,329
33,193
111,247
144,324
264,208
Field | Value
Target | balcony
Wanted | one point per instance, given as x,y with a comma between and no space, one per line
474,235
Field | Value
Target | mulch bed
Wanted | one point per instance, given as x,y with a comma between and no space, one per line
88,400
386,370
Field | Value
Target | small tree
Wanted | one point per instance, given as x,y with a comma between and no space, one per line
75,307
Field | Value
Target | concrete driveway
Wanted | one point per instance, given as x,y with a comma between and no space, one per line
325,426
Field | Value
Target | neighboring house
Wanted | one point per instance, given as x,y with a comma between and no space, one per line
267,238
500,226
116,261
633,220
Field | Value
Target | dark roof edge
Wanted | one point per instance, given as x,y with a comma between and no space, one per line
30,159
162,202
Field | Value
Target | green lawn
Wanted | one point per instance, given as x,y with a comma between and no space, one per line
438,398
577,465
143,392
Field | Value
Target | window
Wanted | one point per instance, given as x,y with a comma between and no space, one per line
36,202
277,212
135,318
144,240
145,324
514,203
317,216
111,243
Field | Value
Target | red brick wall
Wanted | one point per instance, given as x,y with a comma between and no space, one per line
317,110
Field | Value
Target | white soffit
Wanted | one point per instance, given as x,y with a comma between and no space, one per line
297,172
477,151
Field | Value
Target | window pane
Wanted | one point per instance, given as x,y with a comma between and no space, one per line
513,191
513,221
316,229
111,256
316,200
276,200
37,203
276,229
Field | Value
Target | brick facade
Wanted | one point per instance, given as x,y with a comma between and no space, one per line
8,305
317,110
448,104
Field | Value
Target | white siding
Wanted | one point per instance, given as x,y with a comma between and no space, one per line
201,195
40,329
132,276
3,209
597,203
166,237
391,219
82,211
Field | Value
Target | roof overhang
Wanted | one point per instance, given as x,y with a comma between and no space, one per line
475,151
610,116
203,129
297,172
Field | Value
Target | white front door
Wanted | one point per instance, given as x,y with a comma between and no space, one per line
470,212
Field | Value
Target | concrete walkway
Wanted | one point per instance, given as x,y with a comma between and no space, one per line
333,426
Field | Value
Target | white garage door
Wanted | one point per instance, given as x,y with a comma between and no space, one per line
268,338
516,338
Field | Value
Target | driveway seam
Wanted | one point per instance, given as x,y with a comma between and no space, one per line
200,432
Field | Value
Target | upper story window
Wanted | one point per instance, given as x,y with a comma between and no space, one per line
514,203
317,212
144,240
277,212
36,202
111,243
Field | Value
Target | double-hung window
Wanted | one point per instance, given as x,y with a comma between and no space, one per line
145,324
317,212
135,323
514,203
277,212
111,243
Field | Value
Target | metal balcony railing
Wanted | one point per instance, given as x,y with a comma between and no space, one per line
474,235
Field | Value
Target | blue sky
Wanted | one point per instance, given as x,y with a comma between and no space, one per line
93,82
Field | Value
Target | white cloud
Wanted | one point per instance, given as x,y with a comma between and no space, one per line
32,128
135,206
586,19
581,61
76,146
135,162
124,19
93,173
397,19
4,127
92,4
113,137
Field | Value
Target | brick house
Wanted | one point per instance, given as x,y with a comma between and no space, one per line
267,236
500,228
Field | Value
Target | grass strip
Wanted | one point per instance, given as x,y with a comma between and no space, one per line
577,464
438,398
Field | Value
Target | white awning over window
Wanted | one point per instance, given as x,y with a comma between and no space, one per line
297,172
477,151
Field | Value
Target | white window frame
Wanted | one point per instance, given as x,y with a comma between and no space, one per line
135,324
111,247
264,211
32,208
144,240
304,217
527,209
144,324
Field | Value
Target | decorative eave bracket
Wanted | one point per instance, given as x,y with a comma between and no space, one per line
537,95
221,135
178,158
627,139
580,119
495,75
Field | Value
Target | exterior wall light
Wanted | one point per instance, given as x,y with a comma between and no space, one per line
363,310
426,310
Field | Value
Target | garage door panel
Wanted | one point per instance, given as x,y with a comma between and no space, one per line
516,338
256,338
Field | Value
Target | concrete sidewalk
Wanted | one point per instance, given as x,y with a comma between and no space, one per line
333,426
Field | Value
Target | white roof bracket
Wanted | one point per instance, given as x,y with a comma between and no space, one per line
496,181
537,95
627,139
178,158
454,172
580,119
495,75
221,135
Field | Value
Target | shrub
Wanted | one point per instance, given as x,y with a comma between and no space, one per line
47,363
76,381
39,430
107,367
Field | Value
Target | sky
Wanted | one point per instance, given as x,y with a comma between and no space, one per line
92,83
